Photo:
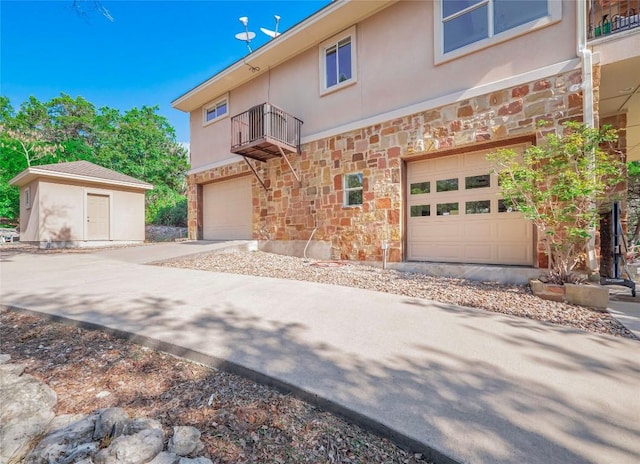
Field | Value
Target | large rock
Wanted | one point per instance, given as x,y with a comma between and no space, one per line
165,458
195,461
111,422
138,448
26,410
69,436
185,441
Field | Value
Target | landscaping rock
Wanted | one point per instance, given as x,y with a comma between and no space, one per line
138,425
26,410
165,458
195,461
68,436
111,421
185,441
138,448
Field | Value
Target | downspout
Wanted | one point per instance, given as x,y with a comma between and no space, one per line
586,58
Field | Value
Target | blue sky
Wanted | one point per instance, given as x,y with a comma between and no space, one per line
151,53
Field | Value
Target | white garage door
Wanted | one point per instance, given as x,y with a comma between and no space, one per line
227,210
455,214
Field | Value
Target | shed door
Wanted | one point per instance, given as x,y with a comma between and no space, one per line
97,217
227,210
455,214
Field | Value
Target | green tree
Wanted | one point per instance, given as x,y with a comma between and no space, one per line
138,142
561,186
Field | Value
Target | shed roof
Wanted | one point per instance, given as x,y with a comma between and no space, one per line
80,171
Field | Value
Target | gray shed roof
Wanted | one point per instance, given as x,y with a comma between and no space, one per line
79,170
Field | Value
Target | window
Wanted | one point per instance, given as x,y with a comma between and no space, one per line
215,111
475,182
446,185
353,189
420,210
478,207
337,61
27,197
464,26
420,188
447,209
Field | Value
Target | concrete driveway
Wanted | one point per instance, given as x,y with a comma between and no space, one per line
458,383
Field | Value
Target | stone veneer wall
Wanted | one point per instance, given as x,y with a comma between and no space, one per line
290,211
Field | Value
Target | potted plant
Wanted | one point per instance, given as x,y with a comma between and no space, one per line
562,185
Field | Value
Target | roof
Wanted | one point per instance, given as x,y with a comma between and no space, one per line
81,171
330,20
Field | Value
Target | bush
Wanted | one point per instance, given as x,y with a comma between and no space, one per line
172,215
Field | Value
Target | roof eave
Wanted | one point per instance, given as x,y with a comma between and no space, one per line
328,21
30,174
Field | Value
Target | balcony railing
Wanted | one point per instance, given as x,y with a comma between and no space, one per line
264,132
608,17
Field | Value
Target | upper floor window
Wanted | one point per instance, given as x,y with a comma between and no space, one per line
338,61
464,26
215,111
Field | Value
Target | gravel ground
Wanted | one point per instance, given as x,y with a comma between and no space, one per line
515,300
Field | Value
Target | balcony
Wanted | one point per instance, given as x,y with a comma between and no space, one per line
608,17
264,132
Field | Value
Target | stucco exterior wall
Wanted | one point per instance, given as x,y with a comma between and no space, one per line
291,211
396,68
59,213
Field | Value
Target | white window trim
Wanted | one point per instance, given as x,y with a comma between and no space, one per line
346,190
351,32
213,104
554,16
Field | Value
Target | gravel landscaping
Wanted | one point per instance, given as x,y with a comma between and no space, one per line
515,300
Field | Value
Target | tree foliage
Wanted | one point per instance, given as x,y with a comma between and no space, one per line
138,142
561,186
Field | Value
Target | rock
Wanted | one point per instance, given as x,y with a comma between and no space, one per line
68,436
185,441
165,458
138,448
138,425
111,421
26,410
195,461
5,358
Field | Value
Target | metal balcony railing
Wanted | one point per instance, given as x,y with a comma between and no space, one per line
262,131
608,17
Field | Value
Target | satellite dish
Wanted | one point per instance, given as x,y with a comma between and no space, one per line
246,36
270,33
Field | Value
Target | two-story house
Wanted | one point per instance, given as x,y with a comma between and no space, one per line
362,131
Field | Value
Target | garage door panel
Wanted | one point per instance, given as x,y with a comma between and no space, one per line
477,233
479,230
479,252
446,251
228,210
439,230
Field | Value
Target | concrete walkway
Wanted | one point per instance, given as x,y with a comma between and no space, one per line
475,386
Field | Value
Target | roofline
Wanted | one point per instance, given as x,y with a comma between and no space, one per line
35,172
182,102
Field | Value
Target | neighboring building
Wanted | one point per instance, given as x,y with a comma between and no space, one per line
80,204
367,124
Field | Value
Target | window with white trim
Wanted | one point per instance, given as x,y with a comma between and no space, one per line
353,187
463,26
338,61
215,111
